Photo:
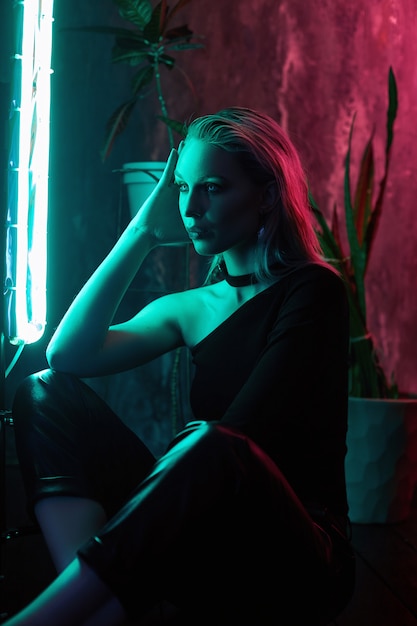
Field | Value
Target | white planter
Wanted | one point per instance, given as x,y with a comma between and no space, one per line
140,179
381,462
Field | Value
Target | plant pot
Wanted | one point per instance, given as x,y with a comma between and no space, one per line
381,461
140,178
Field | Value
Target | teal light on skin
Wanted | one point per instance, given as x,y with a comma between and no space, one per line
26,249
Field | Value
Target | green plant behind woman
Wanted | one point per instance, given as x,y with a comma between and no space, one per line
148,45
361,219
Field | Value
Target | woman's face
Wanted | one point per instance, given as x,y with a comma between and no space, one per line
219,205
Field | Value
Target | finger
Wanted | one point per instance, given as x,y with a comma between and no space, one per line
171,163
167,177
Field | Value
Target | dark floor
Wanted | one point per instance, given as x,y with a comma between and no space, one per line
386,585
386,589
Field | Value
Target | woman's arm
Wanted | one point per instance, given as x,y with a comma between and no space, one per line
85,343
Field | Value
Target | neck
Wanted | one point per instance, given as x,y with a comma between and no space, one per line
242,280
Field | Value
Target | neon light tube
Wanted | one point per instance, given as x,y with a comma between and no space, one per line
28,174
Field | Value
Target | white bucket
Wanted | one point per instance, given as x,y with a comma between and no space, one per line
141,178
381,462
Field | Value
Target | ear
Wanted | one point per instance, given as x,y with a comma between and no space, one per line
270,197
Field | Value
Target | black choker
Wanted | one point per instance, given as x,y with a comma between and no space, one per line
237,281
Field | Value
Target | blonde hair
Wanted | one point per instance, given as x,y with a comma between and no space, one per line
266,154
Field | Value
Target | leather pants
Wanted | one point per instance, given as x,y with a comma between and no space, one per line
211,527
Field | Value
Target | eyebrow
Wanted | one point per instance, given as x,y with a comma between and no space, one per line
178,174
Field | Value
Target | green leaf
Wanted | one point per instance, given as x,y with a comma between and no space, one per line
129,56
366,375
167,60
148,46
142,78
331,249
364,193
392,108
178,127
116,125
357,255
184,46
138,12
153,30
391,116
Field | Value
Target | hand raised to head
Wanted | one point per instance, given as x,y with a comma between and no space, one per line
159,215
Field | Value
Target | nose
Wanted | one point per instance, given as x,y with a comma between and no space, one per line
190,204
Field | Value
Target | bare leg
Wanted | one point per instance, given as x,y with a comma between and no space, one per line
77,597
67,523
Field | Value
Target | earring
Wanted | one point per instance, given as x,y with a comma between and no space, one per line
261,228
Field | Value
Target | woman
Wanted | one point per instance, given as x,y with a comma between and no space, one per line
244,519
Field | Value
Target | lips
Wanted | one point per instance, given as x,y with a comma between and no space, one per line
196,233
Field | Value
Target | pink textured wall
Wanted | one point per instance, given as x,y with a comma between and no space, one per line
309,63
312,64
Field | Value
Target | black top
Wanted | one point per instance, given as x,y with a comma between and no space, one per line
277,370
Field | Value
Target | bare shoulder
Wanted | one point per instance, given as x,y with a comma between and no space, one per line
197,311
187,301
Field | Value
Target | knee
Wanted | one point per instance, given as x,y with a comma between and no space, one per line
34,391
26,389
29,387
206,441
210,433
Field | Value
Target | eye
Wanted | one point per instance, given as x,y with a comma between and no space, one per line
212,187
181,186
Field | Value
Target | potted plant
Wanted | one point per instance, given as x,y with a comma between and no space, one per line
381,462
148,44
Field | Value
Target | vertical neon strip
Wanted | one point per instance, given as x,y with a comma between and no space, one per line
27,279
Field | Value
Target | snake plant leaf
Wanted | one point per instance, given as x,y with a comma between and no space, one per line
329,246
336,233
332,249
366,375
357,253
362,208
116,124
137,12
391,116
392,108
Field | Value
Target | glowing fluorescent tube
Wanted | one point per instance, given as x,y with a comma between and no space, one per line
28,174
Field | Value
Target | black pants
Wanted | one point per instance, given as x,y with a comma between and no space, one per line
211,527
